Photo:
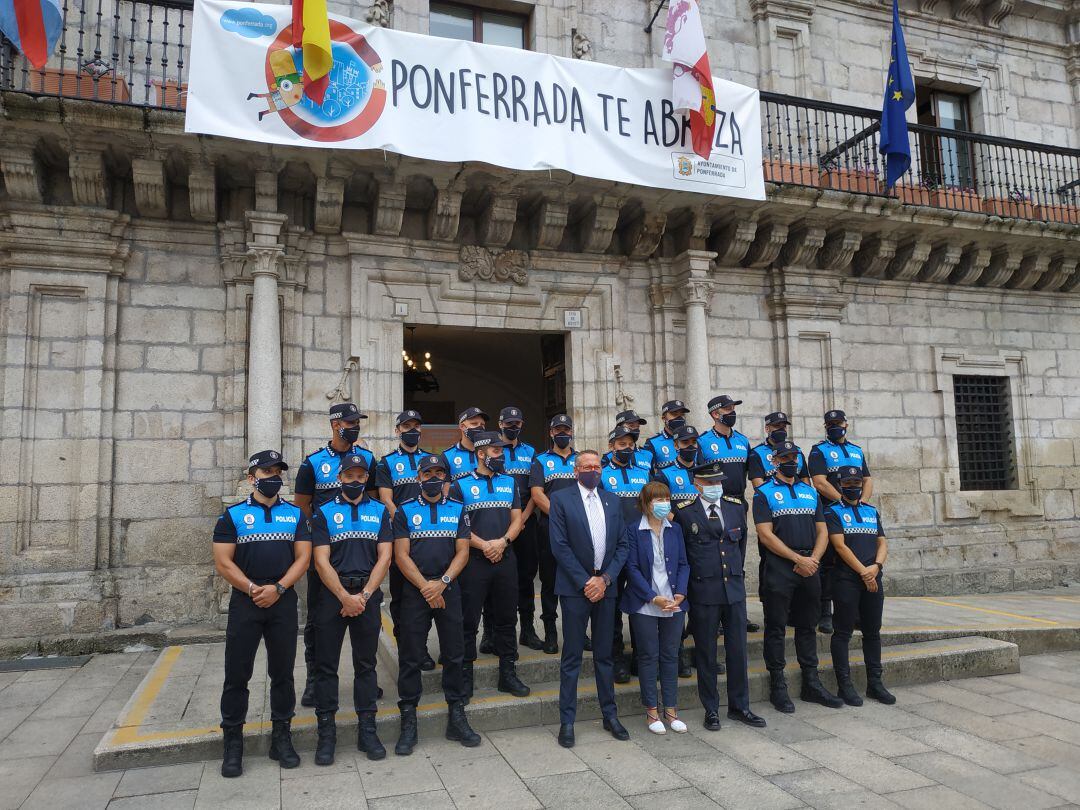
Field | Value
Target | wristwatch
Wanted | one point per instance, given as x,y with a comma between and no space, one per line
279,588
606,578
445,579
365,595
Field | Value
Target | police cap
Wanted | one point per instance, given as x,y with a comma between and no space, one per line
785,449
406,416
674,406
777,418
835,416
619,432
709,471
622,417
347,412
488,438
469,413
266,458
685,433
847,472
723,401
433,463
351,460
561,420
511,413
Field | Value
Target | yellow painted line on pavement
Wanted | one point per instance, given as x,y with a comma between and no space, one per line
1072,599
133,720
990,611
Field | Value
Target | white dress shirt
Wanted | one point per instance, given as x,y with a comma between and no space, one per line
594,511
661,582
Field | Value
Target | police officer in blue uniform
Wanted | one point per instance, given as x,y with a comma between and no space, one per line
858,536
679,476
462,456
316,483
551,471
352,546
791,529
431,547
633,423
662,445
761,465
621,475
262,546
518,457
491,502
714,531
826,458
397,480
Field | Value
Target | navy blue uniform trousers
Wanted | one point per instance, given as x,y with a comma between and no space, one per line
705,622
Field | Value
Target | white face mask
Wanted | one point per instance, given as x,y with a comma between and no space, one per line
661,509
712,492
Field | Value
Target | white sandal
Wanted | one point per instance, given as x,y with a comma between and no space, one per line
677,725
655,726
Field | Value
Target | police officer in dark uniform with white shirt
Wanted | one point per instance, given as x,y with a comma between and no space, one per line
262,546
316,483
714,529
642,457
551,471
825,458
791,529
352,549
761,465
491,503
461,456
431,547
662,445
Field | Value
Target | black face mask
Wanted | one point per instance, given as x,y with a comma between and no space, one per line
851,493
353,489
511,433
688,454
433,486
269,487
728,419
634,434
472,433
410,438
675,423
562,441
778,436
624,457
495,463
835,432
789,469
349,434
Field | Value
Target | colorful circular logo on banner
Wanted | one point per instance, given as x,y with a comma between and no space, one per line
355,97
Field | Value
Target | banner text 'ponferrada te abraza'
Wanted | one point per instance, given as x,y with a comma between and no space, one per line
448,100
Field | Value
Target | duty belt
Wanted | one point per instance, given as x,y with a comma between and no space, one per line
354,583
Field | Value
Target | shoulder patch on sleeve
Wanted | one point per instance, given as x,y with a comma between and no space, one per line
686,503
733,499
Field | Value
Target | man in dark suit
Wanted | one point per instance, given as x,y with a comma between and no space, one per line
714,530
588,541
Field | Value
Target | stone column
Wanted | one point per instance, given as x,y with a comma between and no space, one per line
697,292
265,256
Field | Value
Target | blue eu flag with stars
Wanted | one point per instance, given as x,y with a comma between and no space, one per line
899,95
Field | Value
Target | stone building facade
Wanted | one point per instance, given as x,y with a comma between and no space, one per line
171,302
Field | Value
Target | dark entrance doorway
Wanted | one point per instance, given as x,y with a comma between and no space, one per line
448,369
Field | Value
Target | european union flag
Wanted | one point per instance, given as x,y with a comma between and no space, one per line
899,95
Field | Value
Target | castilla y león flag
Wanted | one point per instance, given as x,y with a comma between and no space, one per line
692,84
311,33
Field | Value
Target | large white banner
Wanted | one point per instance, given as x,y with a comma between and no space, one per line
448,100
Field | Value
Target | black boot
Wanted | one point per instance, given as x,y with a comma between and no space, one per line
308,698
327,742
622,668
281,747
509,680
551,638
587,644
367,739
685,658
458,728
428,663
778,694
813,691
232,759
847,691
467,680
407,739
528,635
486,647
876,689
825,625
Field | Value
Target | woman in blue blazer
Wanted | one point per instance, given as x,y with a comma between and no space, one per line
657,574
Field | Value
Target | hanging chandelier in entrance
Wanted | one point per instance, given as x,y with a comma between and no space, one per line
419,370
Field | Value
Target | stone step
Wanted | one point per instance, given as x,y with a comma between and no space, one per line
905,664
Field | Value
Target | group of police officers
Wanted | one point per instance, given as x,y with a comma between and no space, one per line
462,535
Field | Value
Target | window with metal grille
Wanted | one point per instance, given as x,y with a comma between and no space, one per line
984,432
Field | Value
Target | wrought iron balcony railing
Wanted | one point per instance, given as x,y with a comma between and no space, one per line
135,52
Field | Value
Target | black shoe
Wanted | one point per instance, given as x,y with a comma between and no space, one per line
509,680
379,694
486,647
778,693
813,691
753,627
712,721
232,758
407,739
428,663
458,728
327,742
616,728
876,689
685,657
528,635
746,717
622,670
825,626
308,698
566,735
846,691
281,745
467,680
588,644
551,638
367,739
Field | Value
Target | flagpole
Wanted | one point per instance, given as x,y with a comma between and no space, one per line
648,28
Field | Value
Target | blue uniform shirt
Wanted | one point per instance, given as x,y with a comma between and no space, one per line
397,472
627,483
433,530
489,500
793,509
827,457
459,461
353,532
733,452
663,449
318,473
552,472
861,526
517,463
263,535
761,462
678,480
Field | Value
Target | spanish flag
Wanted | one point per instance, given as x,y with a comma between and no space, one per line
311,33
